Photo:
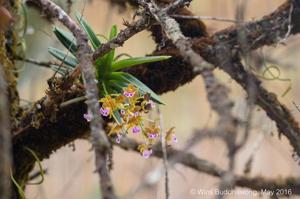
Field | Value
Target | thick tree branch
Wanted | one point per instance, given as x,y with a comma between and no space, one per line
5,139
11,78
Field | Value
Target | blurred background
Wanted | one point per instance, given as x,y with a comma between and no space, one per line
70,173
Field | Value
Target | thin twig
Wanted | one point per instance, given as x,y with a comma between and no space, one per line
72,101
46,64
297,106
106,181
218,98
165,156
289,30
251,89
133,29
205,18
124,35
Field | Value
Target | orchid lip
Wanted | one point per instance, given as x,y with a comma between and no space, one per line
128,94
152,135
104,111
136,129
118,139
152,104
147,153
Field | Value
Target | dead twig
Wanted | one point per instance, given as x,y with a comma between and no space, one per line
205,18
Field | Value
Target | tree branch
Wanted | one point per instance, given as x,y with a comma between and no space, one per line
84,56
190,160
5,140
222,50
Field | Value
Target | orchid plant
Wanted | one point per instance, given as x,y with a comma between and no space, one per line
123,98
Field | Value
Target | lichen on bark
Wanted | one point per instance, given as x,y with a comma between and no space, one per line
11,79
8,47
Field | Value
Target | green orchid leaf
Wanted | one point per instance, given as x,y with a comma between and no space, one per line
113,32
64,57
118,85
126,77
103,64
126,63
116,115
67,39
100,61
91,34
111,54
143,87
111,89
100,67
59,70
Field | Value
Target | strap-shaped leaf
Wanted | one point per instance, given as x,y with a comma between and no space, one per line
103,64
62,56
112,89
126,63
111,54
67,39
122,76
59,70
116,115
89,31
118,85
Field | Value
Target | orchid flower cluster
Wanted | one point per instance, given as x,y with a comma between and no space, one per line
125,99
132,106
